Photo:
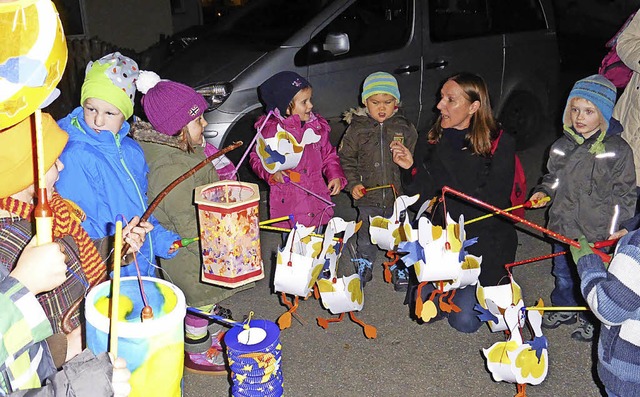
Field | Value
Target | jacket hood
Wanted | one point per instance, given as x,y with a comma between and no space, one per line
143,131
348,115
597,147
79,130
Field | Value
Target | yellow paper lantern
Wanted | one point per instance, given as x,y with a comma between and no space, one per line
33,55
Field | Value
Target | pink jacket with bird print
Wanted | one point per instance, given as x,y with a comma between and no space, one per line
318,165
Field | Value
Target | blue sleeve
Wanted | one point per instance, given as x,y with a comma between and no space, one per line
81,183
613,294
162,239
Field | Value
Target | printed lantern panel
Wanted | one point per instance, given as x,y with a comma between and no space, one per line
388,233
33,55
282,151
496,299
516,360
153,349
229,233
440,255
344,294
298,264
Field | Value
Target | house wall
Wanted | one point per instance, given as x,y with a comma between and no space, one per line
129,24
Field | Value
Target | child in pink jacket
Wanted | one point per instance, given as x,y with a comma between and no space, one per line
303,191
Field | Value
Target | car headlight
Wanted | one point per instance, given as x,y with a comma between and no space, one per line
215,94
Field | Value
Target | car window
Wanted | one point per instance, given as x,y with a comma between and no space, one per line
366,27
517,16
459,19
271,21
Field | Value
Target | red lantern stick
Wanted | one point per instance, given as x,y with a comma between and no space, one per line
557,236
597,244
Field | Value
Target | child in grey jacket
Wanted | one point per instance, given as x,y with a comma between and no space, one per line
591,182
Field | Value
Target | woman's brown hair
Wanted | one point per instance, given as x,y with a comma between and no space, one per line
483,126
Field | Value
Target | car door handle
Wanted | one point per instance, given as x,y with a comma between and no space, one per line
436,65
407,69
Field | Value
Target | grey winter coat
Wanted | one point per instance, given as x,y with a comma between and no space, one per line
591,194
366,157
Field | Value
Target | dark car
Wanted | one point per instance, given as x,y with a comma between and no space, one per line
335,44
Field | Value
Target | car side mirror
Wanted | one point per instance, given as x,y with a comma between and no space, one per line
336,43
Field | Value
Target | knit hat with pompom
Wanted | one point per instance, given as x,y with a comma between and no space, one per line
169,106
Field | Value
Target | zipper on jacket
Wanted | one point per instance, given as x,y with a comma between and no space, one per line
140,196
382,165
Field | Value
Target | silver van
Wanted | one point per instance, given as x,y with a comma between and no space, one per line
335,44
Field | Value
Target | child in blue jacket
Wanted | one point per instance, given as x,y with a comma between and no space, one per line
105,170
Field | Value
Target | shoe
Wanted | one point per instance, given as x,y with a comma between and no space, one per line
555,319
364,268
209,362
400,279
584,332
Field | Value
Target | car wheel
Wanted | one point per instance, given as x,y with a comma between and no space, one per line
244,131
522,116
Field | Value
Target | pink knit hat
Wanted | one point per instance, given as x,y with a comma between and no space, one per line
169,106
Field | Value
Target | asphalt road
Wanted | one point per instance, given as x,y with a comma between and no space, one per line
406,359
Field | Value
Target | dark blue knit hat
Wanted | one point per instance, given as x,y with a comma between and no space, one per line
278,91
598,90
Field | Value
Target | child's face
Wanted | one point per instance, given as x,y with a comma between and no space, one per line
455,109
301,104
585,117
102,116
381,106
52,175
196,128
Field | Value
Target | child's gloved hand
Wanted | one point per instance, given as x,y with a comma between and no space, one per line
585,249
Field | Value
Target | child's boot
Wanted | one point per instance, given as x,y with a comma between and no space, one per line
400,278
585,330
364,268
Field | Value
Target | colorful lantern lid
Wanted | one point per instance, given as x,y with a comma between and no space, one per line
33,56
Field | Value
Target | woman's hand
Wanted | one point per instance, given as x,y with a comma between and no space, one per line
334,186
536,200
401,155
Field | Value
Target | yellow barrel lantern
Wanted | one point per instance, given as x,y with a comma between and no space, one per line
33,55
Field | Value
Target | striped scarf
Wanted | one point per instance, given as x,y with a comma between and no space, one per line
66,222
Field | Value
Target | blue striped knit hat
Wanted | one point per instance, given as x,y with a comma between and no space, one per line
380,83
598,90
